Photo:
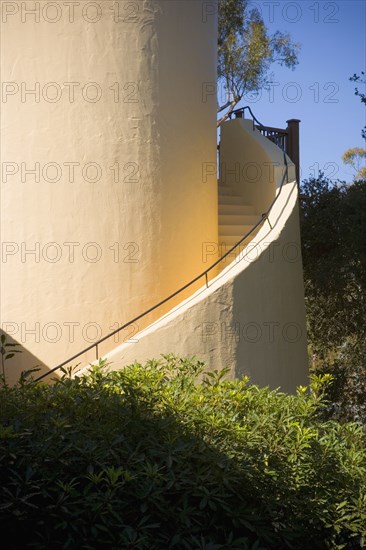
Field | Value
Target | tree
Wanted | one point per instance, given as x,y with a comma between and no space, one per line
360,80
333,232
354,157
246,52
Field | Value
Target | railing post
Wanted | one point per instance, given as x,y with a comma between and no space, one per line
293,144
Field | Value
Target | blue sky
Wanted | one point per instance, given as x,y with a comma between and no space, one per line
318,92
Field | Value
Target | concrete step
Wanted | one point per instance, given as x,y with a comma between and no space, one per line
228,230
236,209
225,190
231,199
228,241
238,219
226,245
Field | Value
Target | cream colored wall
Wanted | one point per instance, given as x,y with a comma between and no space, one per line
148,222
248,164
252,317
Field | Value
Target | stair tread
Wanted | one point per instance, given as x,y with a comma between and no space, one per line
238,219
225,190
231,241
226,246
234,228
235,209
231,199
234,237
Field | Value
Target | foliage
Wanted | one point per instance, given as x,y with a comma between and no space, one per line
334,259
347,393
167,456
246,51
360,80
6,354
354,157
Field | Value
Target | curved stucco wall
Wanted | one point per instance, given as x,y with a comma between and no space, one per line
117,129
250,165
251,319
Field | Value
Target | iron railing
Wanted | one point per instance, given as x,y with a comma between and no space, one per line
279,136
285,138
203,275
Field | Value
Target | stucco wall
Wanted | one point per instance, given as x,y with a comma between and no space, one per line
250,165
251,319
118,129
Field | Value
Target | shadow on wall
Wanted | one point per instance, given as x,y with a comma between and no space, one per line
12,366
271,340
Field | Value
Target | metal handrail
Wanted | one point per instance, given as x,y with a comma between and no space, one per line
267,131
200,276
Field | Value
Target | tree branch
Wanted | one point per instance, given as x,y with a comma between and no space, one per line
232,104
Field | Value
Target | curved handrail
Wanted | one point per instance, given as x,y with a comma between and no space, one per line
200,276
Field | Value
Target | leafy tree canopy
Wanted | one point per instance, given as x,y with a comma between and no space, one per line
360,79
334,259
354,157
246,51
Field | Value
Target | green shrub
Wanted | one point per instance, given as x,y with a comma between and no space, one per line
167,456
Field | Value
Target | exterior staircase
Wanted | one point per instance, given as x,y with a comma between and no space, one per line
236,218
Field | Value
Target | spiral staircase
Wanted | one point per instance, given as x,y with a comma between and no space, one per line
232,290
